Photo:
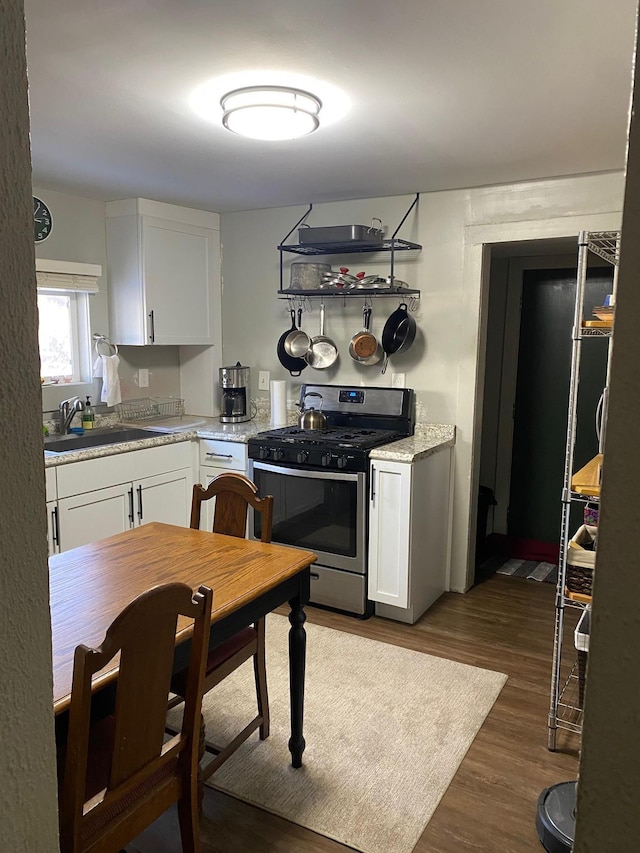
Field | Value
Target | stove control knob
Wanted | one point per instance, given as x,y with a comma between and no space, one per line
302,457
263,452
342,461
325,460
278,454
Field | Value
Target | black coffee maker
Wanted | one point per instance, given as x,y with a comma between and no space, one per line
235,388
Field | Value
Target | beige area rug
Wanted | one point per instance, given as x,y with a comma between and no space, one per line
386,729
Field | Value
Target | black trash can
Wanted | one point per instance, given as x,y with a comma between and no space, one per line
486,498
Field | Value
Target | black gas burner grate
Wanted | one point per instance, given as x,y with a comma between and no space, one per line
332,436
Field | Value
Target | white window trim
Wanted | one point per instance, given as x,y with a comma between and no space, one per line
79,281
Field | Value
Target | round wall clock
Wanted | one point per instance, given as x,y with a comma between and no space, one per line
42,220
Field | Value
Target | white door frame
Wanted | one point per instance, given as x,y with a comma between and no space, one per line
475,291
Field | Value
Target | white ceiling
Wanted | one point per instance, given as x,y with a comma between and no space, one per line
444,94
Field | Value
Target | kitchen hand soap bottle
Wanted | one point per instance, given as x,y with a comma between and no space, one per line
88,418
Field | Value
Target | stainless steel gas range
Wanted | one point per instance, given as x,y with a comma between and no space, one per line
320,483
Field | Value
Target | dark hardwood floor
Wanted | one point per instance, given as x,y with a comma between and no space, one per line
504,624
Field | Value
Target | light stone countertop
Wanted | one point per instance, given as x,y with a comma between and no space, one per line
211,428
52,459
232,432
428,439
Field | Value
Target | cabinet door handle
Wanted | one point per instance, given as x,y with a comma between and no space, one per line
140,503
152,334
373,484
221,455
131,518
55,526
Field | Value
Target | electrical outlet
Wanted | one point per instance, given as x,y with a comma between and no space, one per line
263,380
143,378
398,380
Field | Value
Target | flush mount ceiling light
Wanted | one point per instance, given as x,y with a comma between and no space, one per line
270,112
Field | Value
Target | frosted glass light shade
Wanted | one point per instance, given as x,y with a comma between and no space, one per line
270,112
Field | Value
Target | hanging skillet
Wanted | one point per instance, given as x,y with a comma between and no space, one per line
398,333
364,347
297,342
322,351
294,365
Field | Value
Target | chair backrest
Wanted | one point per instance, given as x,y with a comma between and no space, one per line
144,635
234,493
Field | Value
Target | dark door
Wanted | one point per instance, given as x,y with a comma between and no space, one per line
542,394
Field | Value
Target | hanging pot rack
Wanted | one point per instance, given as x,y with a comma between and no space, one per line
391,245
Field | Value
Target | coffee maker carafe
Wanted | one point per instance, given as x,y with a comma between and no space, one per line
235,388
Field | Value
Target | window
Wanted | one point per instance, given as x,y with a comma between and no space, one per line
64,334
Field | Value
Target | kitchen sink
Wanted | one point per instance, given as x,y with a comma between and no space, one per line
94,438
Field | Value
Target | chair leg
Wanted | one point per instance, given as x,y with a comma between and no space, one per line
189,820
260,672
201,753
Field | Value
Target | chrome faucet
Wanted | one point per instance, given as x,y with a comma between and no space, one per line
66,412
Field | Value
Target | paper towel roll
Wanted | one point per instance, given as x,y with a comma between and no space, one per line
279,402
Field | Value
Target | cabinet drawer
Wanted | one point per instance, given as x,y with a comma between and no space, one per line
223,454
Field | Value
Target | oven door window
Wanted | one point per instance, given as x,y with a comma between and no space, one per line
316,513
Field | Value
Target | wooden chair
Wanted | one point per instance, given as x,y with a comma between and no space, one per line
118,774
234,493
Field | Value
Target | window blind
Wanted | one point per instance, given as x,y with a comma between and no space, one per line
67,276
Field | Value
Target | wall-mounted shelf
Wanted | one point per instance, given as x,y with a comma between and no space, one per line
351,293
391,245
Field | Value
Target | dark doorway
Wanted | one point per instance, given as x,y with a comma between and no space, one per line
542,393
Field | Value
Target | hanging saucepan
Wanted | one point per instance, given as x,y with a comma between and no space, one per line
364,347
297,342
398,333
295,366
322,350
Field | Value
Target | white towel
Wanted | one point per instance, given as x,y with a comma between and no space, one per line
106,366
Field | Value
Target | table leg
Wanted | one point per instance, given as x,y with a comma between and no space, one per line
297,655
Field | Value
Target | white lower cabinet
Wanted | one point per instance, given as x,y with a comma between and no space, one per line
389,526
165,498
94,515
409,535
216,457
52,527
99,497
52,509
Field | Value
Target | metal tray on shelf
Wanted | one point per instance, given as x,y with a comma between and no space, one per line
340,234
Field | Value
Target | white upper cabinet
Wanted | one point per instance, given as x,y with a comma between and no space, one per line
164,273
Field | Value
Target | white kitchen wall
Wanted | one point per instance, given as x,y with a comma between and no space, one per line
79,235
447,359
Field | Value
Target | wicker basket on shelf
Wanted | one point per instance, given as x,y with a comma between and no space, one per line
579,579
581,560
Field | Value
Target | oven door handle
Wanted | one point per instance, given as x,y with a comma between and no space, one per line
309,475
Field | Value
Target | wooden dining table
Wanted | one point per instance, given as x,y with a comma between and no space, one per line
90,585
